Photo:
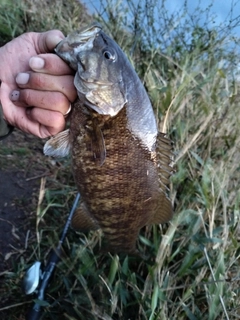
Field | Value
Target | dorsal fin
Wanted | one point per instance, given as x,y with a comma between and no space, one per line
164,157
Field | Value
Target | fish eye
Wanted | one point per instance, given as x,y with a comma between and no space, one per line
109,55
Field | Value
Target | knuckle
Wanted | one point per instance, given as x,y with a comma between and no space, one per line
60,100
26,96
38,80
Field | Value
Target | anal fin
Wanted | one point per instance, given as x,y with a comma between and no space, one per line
82,219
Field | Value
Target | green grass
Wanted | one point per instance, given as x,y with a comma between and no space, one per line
193,266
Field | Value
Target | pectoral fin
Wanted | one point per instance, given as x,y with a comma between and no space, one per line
59,145
98,146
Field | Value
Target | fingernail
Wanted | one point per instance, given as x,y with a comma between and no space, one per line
14,96
55,39
36,63
22,78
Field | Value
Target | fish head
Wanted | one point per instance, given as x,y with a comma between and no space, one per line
99,65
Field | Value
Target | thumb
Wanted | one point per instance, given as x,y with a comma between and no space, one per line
47,41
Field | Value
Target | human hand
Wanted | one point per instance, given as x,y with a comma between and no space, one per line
37,86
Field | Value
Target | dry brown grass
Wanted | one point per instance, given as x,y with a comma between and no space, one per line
193,269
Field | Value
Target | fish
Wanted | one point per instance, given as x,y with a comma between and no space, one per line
121,163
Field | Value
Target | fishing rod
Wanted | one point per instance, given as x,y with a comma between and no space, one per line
36,280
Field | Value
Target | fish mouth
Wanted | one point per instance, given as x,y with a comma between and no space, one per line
96,92
89,32
77,41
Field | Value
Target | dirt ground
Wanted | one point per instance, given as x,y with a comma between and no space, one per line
22,165
22,169
15,204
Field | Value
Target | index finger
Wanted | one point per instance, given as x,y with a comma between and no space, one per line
49,63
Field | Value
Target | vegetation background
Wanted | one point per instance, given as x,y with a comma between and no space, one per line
191,72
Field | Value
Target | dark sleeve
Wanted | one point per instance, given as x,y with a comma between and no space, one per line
5,128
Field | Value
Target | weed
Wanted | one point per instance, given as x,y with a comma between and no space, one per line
192,272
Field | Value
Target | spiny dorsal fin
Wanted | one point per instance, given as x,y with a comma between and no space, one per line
164,156
164,153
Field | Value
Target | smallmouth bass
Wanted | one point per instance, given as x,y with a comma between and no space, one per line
120,162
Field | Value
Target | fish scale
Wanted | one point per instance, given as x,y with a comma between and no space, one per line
121,163
120,193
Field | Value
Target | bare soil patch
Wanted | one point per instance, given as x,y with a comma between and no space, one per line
22,164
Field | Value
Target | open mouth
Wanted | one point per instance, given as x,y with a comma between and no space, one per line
86,34
81,38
